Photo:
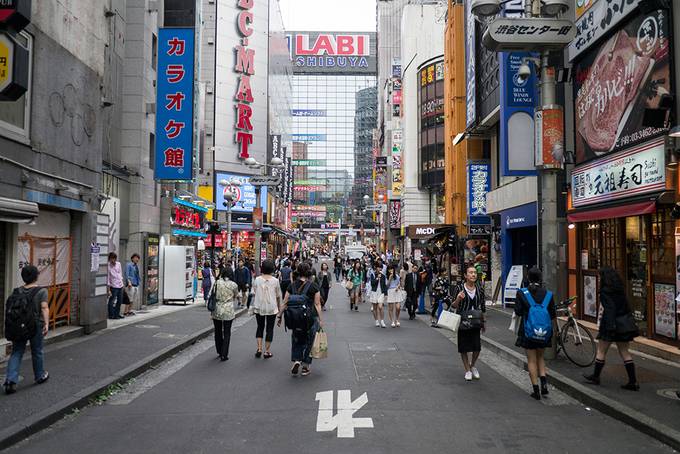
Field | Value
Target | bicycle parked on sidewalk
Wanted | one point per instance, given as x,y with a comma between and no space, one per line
573,338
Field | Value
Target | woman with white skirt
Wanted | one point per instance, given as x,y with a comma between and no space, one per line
377,294
394,296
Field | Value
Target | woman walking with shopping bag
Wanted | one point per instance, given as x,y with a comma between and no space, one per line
226,291
470,305
535,309
355,285
303,318
616,326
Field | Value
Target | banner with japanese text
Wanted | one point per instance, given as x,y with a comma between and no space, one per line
175,105
479,184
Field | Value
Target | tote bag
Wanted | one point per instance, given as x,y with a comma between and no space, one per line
449,320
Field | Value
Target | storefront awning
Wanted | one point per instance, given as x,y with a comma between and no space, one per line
621,211
18,211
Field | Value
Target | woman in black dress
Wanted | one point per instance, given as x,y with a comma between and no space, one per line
534,348
617,325
470,298
325,280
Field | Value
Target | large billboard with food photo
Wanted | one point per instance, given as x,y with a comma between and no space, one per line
617,81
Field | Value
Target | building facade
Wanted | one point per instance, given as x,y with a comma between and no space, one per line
365,118
328,72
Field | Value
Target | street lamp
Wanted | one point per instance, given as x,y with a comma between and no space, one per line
229,196
275,163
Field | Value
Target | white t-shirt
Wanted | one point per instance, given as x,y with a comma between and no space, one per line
267,293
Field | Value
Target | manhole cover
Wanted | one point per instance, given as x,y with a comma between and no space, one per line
147,326
669,393
169,336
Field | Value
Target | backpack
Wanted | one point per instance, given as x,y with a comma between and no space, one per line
538,324
21,315
298,313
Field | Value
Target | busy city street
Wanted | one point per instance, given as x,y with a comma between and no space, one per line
356,226
415,399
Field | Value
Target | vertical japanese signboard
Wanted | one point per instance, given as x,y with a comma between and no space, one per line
395,214
479,184
471,90
397,178
175,104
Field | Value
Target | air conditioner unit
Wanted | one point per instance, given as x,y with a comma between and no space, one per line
211,41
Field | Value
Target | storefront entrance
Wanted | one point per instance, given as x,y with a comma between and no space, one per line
641,249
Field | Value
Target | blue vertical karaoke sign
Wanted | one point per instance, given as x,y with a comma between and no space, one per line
175,105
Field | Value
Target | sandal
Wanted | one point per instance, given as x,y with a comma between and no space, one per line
268,355
258,353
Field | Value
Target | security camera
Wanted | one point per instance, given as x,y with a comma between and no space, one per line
524,72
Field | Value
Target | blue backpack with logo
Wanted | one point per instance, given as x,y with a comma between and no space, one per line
538,324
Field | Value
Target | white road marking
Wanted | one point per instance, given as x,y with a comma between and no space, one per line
344,420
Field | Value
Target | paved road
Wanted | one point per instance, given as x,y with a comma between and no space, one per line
416,398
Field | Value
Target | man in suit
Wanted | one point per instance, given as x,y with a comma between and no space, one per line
413,288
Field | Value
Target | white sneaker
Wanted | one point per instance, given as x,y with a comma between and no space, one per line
377,323
468,376
382,324
393,325
475,373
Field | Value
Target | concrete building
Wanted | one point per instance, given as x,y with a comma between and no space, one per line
52,144
365,120
422,46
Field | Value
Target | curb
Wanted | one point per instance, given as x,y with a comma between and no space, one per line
45,418
603,404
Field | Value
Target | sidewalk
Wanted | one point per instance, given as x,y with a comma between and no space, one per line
82,368
655,409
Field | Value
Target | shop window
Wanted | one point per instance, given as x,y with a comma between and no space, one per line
636,269
663,247
15,115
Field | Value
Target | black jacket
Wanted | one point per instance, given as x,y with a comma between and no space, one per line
382,281
614,304
413,288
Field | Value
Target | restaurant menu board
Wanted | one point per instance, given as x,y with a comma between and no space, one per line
590,296
617,81
151,285
664,310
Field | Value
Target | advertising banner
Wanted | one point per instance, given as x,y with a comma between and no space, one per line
245,193
602,16
175,105
381,179
549,146
479,184
616,81
640,170
309,137
517,116
396,67
395,214
307,113
397,178
665,310
470,50
309,162
335,52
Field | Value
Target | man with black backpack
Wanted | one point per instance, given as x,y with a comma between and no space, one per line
302,311
26,319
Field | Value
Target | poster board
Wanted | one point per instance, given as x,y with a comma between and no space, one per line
513,283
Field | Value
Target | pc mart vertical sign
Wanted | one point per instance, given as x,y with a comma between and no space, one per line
175,105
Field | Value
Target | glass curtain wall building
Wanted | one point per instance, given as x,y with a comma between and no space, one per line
329,70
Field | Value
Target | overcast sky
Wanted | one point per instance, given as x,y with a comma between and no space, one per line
328,15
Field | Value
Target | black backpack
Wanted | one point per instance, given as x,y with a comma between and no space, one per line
21,315
298,313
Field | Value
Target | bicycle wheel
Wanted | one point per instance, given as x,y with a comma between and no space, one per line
578,344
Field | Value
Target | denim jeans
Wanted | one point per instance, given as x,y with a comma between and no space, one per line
338,271
302,344
18,348
117,297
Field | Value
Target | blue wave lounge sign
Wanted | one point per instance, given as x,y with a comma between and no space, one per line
175,105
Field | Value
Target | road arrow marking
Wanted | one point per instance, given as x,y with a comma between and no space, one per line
344,420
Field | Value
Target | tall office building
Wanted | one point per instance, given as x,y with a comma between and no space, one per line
365,122
329,69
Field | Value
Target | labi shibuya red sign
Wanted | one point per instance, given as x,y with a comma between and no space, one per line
617,81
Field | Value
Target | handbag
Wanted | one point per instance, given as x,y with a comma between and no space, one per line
212,298
449,320
349,285
471,319
626,325
320,345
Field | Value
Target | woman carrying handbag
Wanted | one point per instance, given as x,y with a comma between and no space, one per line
470,305
617,325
